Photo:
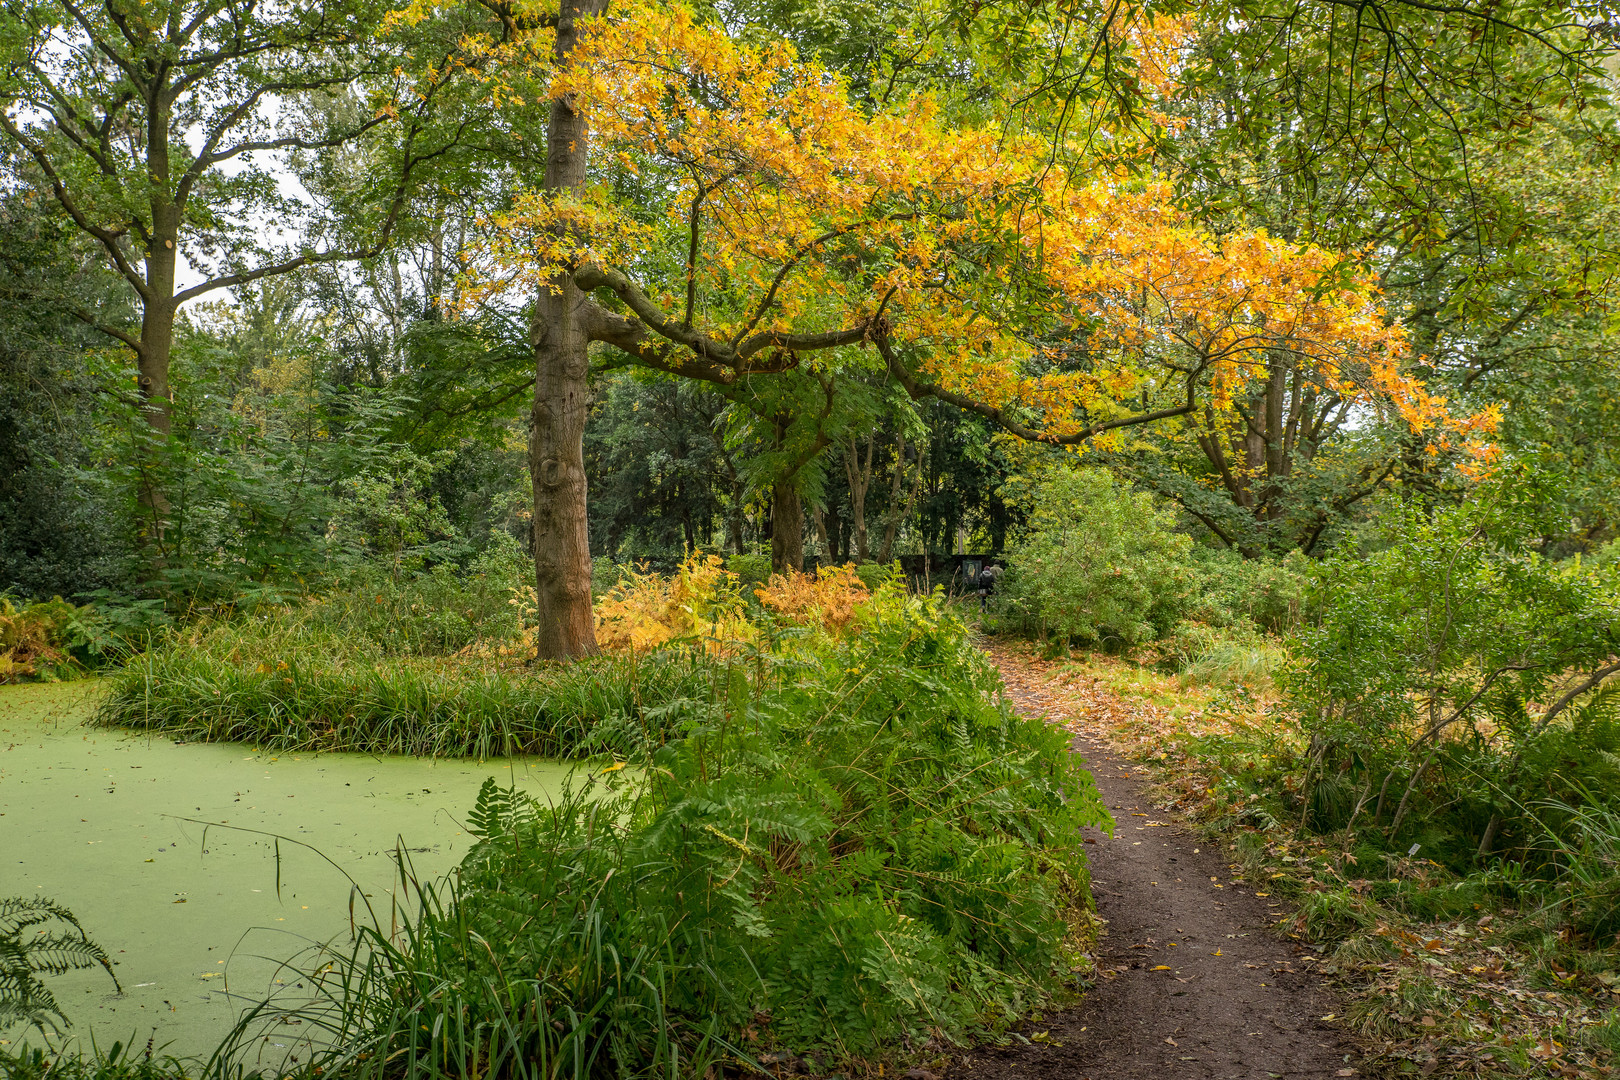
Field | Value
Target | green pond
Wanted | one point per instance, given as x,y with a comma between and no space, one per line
166,853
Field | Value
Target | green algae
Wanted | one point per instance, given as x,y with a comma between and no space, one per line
167,853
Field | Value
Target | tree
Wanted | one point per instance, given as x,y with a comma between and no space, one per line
773,219
657,446
1461,148
150,124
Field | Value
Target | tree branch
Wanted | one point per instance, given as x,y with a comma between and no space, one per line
1580,688
107,237
919,390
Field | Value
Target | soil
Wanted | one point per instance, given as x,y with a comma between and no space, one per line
1191,982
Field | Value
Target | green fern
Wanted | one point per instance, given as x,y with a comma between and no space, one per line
496,810
39,938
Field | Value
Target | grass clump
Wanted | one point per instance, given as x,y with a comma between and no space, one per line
285,685
841,855
117,1062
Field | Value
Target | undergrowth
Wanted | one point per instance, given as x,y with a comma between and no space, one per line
836,848
852,853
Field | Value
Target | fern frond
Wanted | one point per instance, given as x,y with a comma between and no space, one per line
27,953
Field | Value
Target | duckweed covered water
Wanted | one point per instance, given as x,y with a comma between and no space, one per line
112,825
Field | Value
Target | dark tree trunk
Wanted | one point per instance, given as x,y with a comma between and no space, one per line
562,554
900,506
859,473
787,528
735,515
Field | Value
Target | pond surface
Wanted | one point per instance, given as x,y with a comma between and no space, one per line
140,837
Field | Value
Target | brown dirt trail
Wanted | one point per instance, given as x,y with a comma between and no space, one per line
1191,982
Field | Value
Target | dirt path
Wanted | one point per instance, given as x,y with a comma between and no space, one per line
1190,982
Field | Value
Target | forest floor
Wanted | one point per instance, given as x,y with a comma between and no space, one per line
1190,981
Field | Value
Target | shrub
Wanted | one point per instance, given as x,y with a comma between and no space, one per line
1099,564
33,638
750,569
434,613
874,575
1458,672
701,599
1225,589
828,598
53,639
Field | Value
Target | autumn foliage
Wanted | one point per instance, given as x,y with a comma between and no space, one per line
829,599
775,215
704,601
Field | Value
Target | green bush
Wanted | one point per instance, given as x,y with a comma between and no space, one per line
1454,679
53,639
430,614
839,853
1099,565
875,575
1225,589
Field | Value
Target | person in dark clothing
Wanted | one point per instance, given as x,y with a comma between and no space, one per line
987,584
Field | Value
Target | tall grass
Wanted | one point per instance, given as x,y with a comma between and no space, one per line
289,685
1580,849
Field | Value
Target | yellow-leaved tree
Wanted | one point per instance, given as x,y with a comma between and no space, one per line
726,212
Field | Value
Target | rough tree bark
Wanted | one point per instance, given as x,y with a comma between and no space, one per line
787,528
560,335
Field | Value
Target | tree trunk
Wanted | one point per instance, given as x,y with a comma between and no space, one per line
562,554
859,474
152,361
736,512
899,511
787,528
